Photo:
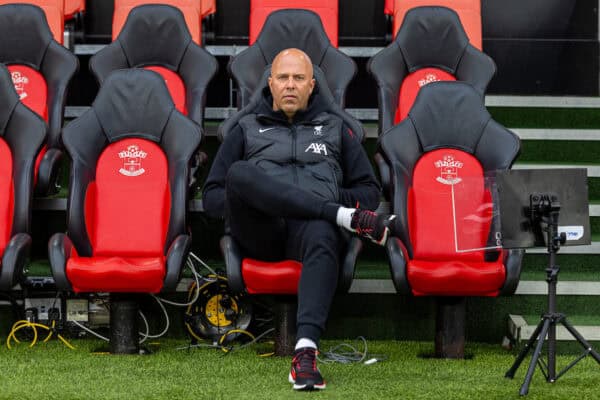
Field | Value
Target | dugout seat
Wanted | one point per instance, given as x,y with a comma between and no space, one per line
280,279
435,167
291,28
41,70
155,37
327,10
127,230
22,134
430,46
469,12
54,11
192,11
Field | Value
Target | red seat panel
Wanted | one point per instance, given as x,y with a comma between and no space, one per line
128,208
208,7
116,274
263,277
450,217
469,12
326,9
191,10
31,88
6,195
411,85
174,84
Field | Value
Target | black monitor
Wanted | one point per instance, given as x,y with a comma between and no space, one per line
522,192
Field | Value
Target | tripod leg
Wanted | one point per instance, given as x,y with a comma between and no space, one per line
580,339
535,357
523,353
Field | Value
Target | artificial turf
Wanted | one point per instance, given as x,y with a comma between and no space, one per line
51,371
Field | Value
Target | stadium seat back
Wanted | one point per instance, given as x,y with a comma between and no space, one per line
327,10
430,46
285,29
191,10
469,12
54,13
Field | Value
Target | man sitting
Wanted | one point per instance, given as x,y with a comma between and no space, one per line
285,177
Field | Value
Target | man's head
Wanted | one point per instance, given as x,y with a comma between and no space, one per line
291,81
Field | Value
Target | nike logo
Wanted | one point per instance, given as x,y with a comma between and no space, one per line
265,129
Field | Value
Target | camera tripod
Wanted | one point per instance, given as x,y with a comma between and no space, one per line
545,209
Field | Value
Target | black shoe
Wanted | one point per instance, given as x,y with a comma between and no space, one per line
304,373
373,226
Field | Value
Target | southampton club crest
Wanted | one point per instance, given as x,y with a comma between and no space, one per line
19,81
132,161
429,78
449,168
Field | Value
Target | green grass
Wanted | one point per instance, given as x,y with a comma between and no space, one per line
50,371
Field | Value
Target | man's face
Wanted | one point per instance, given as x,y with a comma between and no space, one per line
291,82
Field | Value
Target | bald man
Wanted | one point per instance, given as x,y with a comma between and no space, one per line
285,179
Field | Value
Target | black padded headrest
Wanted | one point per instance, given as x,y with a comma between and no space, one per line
155,32
123,106
8,98
29,46
301,29
449,114
432,37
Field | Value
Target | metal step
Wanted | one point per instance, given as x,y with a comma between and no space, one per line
520,330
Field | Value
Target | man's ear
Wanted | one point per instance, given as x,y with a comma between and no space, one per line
269,82
312,85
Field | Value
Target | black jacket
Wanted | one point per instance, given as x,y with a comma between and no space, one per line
358,182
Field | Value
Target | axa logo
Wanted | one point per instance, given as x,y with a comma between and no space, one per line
317,148
19,81
429,78
318,130
132,161
449,168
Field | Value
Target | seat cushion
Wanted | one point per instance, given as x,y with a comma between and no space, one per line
116,274
174,84
263,277
31,88
455,278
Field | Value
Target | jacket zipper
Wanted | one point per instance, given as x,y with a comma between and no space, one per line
294,166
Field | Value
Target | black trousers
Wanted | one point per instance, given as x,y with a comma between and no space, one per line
273,220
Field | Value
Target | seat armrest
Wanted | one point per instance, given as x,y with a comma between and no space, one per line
14,259
512,260
349,264
60,248
176,257
384,174
47,183
233,264
397,261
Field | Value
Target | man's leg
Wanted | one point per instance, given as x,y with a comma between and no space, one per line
280,199
317,244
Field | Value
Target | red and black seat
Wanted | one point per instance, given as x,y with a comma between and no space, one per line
155,37
469,12
128,192
280,279
54,11
327,10
431,45
436,167
22,134
73,7
41,71
287,28
192,10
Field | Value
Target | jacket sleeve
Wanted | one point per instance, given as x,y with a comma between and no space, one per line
213,193
360,186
